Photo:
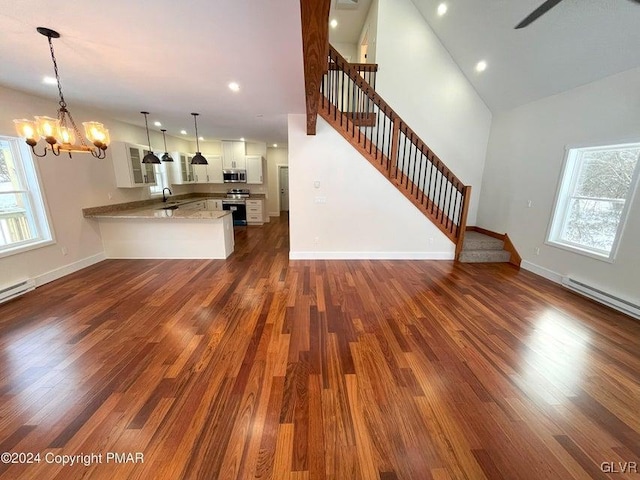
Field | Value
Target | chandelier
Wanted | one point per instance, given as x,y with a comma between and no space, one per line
61,133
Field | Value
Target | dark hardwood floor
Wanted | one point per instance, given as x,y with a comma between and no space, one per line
261,367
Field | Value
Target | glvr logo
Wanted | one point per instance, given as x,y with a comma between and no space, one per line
619,467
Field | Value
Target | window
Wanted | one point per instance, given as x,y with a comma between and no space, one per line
23,223
597,186
162,180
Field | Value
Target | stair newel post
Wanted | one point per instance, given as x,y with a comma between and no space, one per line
395,135
462,227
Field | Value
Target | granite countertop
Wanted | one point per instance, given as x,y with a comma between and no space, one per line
152,213
155,209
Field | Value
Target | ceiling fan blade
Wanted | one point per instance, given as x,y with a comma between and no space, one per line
538,12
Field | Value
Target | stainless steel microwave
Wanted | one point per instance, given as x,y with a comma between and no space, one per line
234,176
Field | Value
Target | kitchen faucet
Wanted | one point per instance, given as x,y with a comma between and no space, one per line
164,199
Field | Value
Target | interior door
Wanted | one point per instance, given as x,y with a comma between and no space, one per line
283,182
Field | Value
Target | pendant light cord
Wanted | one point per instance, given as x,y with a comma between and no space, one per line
195,121
147,128
165,140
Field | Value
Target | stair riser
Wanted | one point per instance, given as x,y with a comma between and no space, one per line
485,256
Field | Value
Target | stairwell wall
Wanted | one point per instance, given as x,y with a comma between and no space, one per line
423,84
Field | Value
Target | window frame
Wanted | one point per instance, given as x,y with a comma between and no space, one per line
563,196
162,173
38,212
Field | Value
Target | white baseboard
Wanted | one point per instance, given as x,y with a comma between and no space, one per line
543,272
68,269
371,255
274,214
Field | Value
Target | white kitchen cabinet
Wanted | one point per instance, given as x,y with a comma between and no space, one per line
198,205
233,155
255,211
214,169
211,173
129,169
254,169
214,204
180,170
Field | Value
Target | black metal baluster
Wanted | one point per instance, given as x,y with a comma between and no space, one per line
413,171
428,172
437,189
384,135
421,177
378,121
447,199
440,201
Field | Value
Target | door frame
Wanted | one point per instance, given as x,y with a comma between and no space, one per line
281,165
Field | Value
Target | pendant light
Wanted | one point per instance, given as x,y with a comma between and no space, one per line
61,133
197,159
149,157
165,156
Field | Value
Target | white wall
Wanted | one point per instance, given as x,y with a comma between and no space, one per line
348,50
524,162
275,156
70,184
422,83
364,215
370,29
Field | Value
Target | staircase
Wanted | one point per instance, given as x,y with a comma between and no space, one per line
349,102
344,95
480,248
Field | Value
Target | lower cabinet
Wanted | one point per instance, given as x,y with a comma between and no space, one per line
255,212
214,204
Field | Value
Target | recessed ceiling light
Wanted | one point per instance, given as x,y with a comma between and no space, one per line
183,132
242,139
49,81
200,138
333,23
442,9
481,66
234,87
275,145
157,124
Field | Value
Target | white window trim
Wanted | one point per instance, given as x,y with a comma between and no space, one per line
31,177
624,216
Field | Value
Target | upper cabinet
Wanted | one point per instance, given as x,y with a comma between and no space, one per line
210,173
254,169
129,169
181,170
233,155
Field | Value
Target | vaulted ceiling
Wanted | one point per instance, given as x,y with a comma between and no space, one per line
577,42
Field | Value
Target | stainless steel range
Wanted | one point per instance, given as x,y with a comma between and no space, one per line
236,203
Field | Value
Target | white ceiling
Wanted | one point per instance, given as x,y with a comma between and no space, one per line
168,57
172,58
577,42
350,20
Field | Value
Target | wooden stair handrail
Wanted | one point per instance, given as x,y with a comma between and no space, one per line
370,92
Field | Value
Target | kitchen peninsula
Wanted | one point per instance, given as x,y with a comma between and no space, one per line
192,228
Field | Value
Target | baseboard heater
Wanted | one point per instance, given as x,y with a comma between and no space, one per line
605,298
17,289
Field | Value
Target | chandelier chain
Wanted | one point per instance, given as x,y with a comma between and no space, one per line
62,103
